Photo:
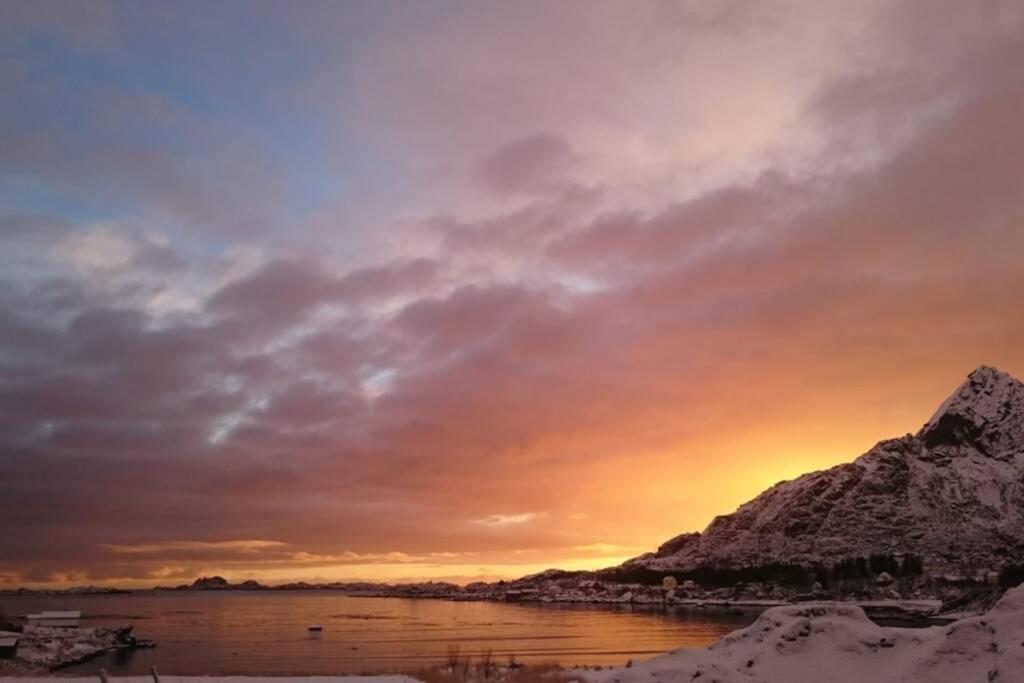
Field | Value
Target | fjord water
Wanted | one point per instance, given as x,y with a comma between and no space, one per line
267,633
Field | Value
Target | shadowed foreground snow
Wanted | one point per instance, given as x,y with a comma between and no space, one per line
835,643
228,679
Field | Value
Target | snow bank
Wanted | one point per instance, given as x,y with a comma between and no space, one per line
232,679
47,647
837,643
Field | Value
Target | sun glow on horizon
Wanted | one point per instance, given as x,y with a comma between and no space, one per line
367,290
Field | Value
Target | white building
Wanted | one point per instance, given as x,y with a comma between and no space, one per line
69,619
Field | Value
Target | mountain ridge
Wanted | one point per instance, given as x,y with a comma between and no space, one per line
951,494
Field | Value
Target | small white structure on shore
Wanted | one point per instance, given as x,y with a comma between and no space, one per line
8,646
68,619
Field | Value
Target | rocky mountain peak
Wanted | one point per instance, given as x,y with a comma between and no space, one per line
985,412
952,495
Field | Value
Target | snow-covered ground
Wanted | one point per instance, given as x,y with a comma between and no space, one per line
239,679
837,643
45,647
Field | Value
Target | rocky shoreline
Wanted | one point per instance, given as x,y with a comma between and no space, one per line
43,648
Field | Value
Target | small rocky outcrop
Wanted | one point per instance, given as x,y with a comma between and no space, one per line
211,583
42,648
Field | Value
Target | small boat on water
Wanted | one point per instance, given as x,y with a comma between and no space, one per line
67,619
316,627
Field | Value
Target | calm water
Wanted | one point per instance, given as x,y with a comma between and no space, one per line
251,633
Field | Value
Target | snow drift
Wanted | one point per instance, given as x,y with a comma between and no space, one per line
837,643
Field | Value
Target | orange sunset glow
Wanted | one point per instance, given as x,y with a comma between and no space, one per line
467,291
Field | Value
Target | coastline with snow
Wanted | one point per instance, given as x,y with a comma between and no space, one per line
821,642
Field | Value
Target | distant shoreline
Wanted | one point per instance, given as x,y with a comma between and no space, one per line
911,610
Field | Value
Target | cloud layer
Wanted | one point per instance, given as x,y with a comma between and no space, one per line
540,296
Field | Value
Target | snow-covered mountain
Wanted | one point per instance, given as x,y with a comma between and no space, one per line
952,494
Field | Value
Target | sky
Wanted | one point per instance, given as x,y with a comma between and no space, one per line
459,290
